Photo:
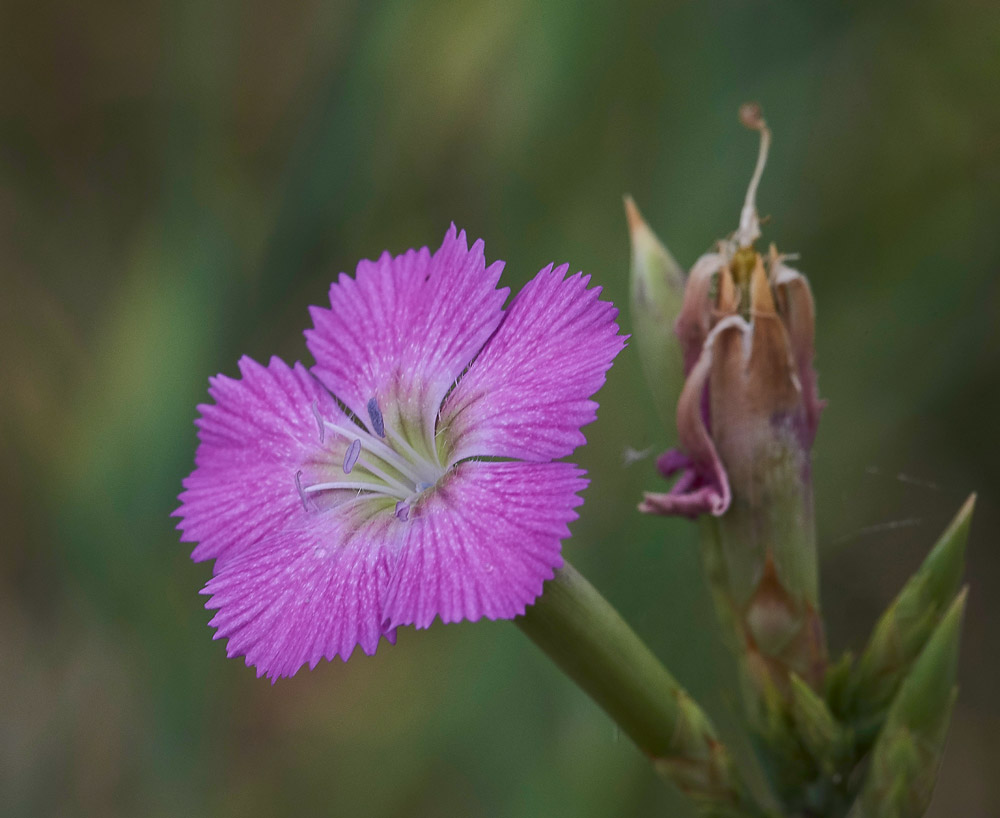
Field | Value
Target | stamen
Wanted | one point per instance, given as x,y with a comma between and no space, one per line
319,421
379,449
302,495
385,477
415,457
749,230
351,456
378,424
381,461
371,488
403,510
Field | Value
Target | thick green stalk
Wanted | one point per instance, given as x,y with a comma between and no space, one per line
587,638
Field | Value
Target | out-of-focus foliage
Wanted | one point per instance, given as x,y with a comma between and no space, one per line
178,181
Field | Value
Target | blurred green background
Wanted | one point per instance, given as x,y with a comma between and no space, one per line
180,180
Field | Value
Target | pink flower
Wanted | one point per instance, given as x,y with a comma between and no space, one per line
409,474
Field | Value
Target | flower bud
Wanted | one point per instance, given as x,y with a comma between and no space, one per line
657,292
746,420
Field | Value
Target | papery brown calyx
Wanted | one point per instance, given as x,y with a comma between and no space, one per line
747,340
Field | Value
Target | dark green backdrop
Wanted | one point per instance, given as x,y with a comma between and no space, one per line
180,180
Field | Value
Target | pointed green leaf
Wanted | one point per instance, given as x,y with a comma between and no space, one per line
907,754
928,688
904,628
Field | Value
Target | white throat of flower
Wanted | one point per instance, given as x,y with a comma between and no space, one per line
378,462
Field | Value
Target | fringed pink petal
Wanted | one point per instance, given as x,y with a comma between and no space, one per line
694,321
483,541
528,393
261,430
403,329
308,594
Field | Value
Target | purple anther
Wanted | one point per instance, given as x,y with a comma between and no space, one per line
403,510
319,421
351,456
378,424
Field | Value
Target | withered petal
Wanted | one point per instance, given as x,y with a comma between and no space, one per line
694,322
799,316
703,486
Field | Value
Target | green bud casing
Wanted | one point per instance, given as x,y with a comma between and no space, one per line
657,293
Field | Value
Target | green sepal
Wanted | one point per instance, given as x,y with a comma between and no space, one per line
826,740
656,284
838,677
906,756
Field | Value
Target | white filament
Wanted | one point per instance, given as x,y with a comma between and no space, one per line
749,229
416,472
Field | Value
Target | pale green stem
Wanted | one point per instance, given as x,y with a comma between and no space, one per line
587,638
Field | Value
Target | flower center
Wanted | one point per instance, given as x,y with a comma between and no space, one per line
377,462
